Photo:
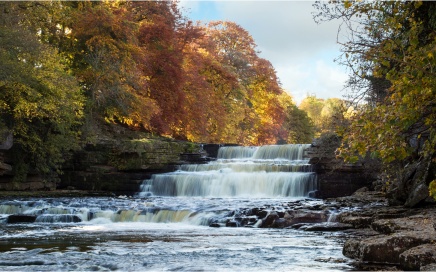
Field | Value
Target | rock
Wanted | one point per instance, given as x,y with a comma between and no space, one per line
232,224
305,216
385,226
418,194
357,222
429,267
417,257
361,190
326,227
412,188
336,178
21,218
269,220
4,168
56,218
260,213
280,223
384,249
6,140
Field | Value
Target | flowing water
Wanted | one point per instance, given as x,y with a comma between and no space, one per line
200,218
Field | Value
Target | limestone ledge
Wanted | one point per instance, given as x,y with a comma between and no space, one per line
389,237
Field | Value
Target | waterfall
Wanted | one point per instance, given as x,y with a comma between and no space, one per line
253,172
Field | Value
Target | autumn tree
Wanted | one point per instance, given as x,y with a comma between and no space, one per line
391,53
108,60
256,114
40,102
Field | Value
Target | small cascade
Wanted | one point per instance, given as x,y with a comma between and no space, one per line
253,172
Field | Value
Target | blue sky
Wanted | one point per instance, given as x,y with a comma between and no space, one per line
301,51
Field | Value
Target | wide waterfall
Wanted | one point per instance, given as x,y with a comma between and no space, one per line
255,172
233,214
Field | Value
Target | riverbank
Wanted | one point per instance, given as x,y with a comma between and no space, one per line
54,193
386,237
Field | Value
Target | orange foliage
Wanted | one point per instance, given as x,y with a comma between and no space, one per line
143,64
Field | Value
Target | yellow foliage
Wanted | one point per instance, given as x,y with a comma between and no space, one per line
432,189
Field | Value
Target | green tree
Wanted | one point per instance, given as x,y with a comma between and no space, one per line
313,107
39,101
327,115
298,124
391,53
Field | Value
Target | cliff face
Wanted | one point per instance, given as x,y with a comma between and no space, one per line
121,166
336,178
117,162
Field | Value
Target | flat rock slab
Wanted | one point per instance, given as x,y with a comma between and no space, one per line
385,249
418,257
20,218
335,226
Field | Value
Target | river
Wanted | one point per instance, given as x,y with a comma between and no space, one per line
206,217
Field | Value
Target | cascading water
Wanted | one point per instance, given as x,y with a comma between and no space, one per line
254,172
168,225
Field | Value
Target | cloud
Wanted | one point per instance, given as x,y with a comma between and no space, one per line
282,27
301,51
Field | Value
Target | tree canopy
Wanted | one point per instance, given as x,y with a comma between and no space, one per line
390,50
136,63
40,102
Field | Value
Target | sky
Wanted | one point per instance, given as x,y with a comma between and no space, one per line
301,51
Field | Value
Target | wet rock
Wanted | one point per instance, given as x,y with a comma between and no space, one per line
21,218
417,257
297,217
269,220
56,218
248,221
232,224
280,223
215,225
260,213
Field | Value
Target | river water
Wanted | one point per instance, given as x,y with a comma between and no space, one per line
200,218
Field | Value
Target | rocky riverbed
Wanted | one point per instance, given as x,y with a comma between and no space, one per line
377,236
386,237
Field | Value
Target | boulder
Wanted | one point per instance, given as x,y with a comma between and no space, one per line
417,257
268,221
384,249
418,194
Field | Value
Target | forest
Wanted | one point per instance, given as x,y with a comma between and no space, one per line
68,67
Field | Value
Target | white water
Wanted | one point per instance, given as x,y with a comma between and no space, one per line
166,227
255,172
